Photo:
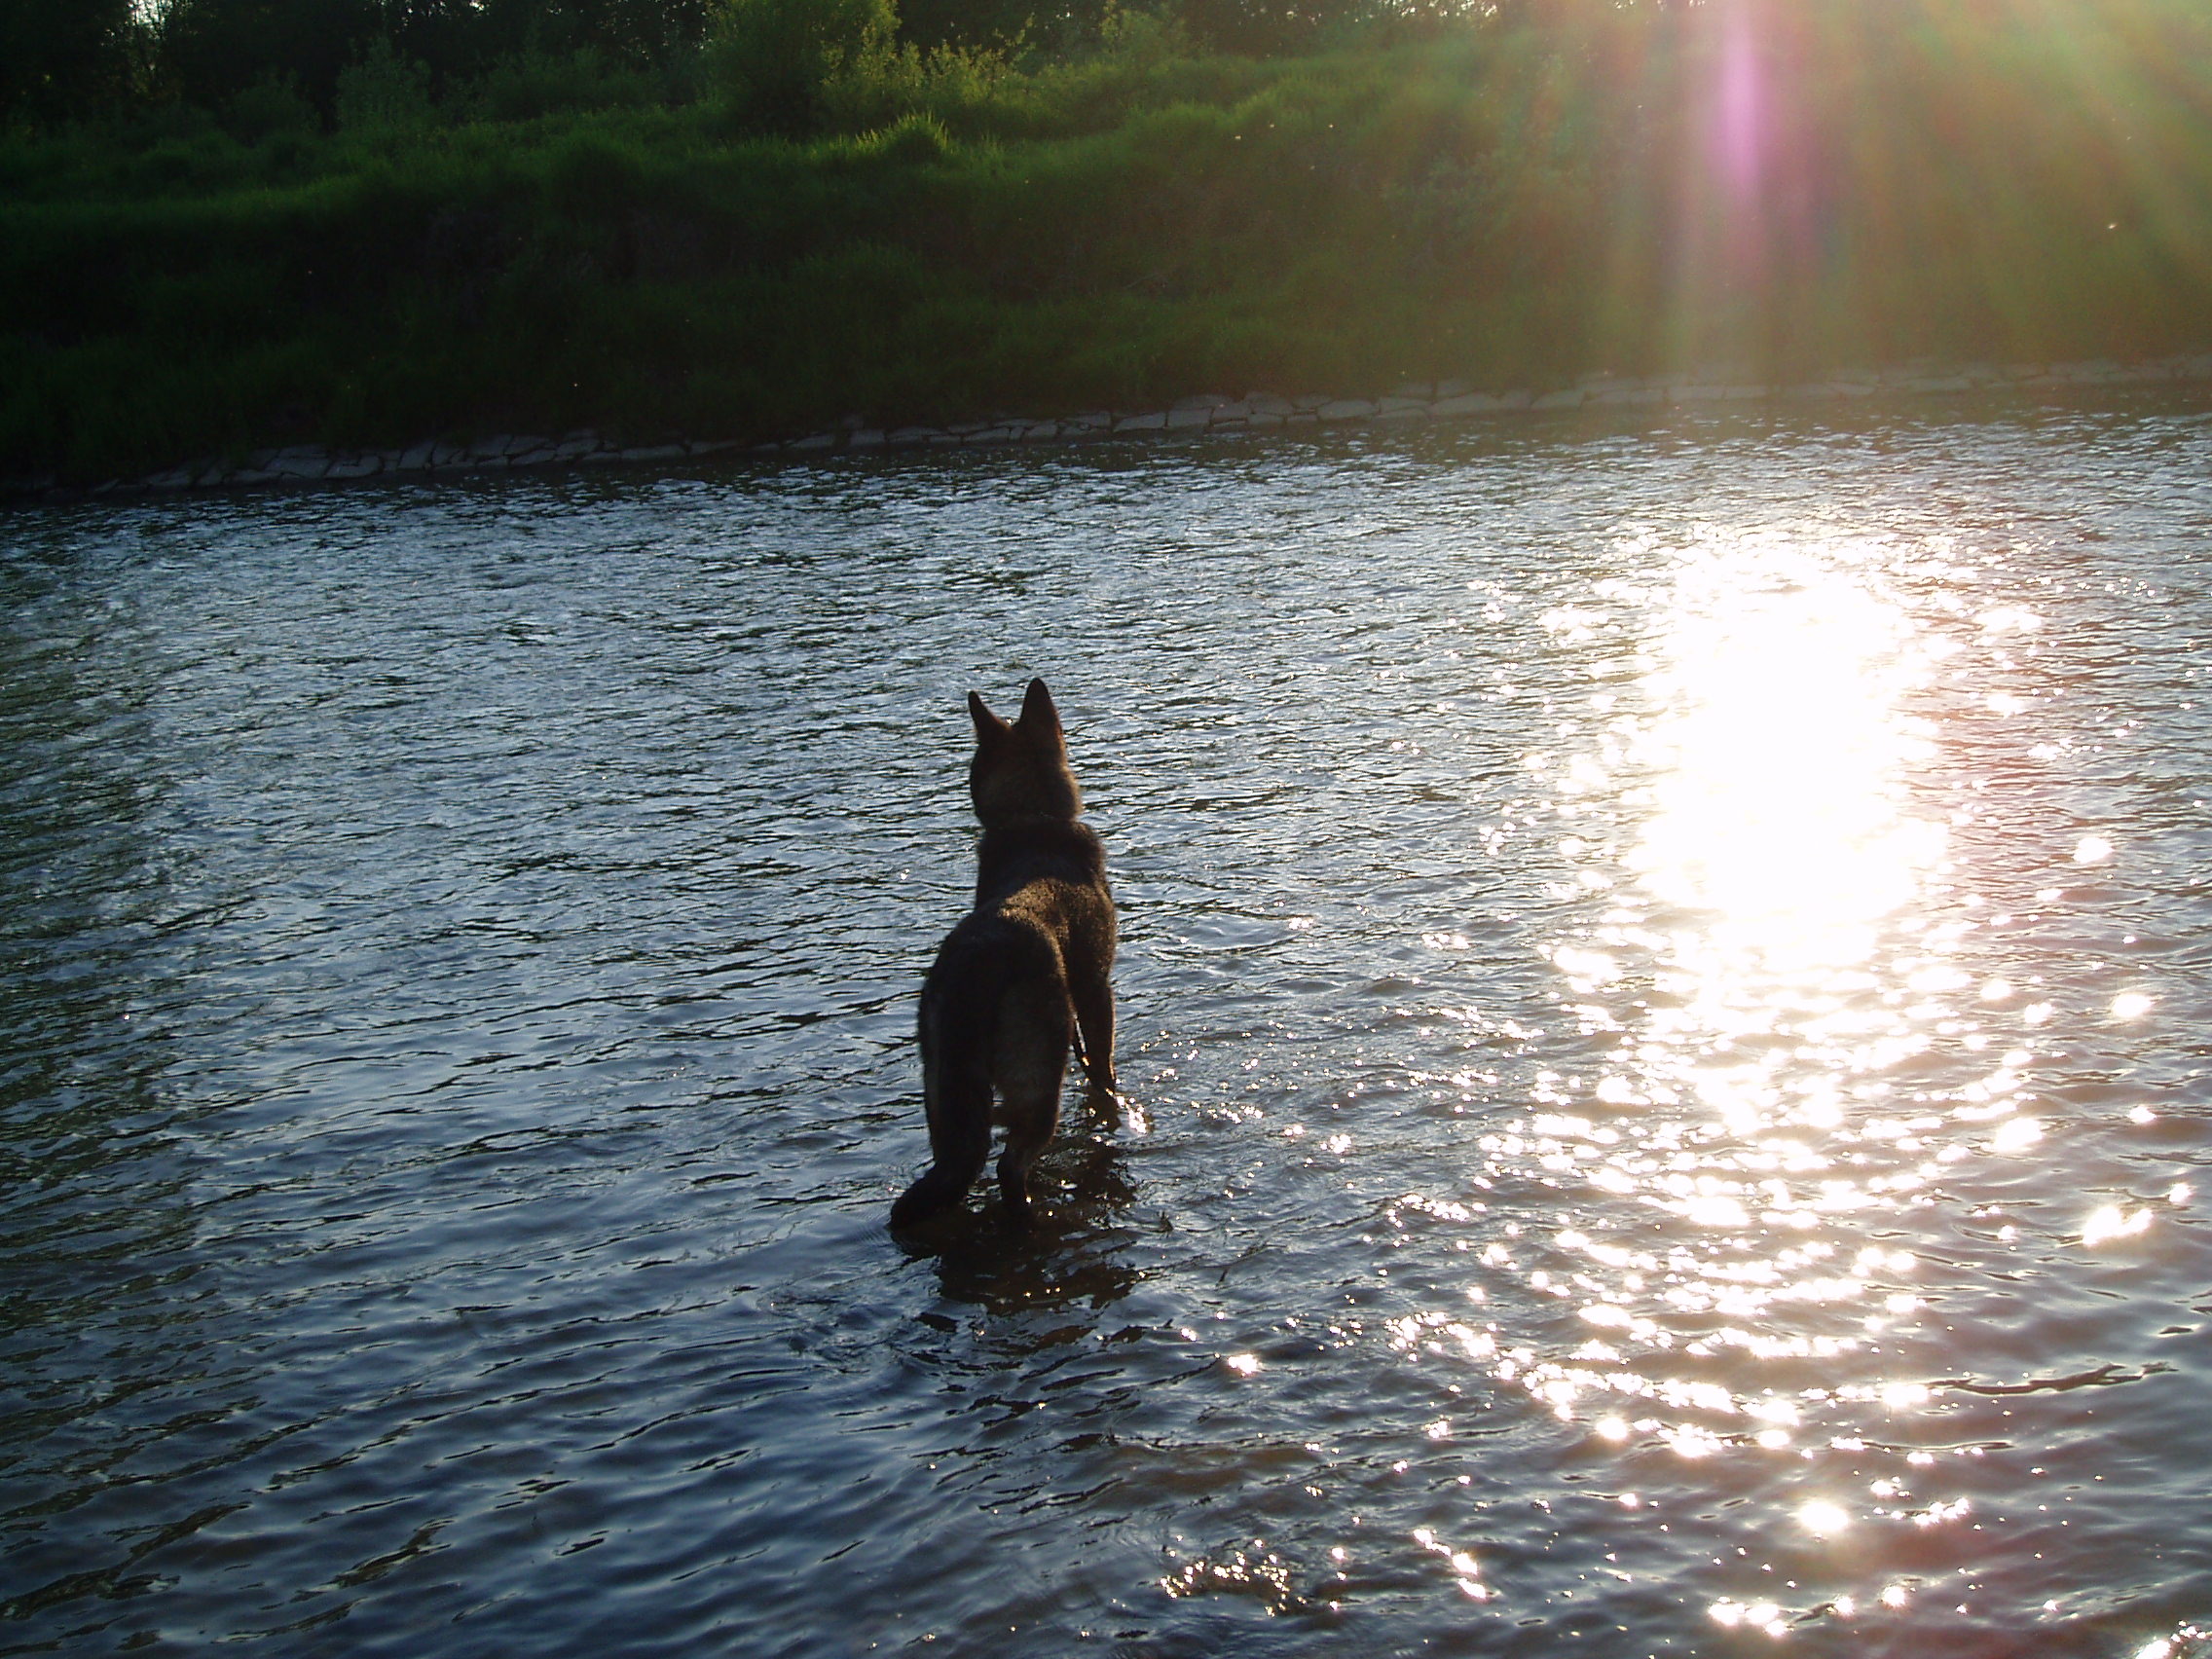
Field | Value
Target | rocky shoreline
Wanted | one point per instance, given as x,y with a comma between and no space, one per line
1255,412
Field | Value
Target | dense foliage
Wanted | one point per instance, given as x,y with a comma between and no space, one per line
760,215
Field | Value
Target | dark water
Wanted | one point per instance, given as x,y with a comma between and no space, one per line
1665,1010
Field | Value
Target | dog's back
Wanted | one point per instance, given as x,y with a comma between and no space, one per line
1023,974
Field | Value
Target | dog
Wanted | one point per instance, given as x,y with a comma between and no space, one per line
1020,976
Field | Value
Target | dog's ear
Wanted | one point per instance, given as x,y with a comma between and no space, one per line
1038,716
987,724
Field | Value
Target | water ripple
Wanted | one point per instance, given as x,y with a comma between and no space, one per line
1661,1007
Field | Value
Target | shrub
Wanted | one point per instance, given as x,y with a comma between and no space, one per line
967,90
531,84
776,58
380,92
268,107
593,176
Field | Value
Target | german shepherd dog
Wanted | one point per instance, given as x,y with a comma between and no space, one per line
1022,974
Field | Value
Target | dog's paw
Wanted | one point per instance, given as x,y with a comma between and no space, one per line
933,1193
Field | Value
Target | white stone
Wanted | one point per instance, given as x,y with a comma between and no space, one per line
1346,409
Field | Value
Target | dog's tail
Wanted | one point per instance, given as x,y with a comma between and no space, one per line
962,1002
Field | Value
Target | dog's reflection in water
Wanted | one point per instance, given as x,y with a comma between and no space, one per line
1072,1252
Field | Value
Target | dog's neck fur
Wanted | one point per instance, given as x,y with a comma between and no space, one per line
1035,848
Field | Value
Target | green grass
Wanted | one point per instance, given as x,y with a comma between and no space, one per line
2017,179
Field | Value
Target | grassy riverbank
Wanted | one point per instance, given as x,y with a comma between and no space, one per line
1791,189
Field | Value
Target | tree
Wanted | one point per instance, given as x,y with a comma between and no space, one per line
632,31
60,58
213,50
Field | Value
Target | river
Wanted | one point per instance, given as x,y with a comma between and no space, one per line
1664,1006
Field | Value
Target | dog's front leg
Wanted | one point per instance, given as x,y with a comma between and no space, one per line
1092,995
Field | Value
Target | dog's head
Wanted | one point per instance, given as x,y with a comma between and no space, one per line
1020,768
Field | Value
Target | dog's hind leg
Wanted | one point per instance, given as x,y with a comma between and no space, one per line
1031,1065
944,1182
956,1095
1029,1126
958,1158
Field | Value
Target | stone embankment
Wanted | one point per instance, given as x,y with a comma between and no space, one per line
1256,412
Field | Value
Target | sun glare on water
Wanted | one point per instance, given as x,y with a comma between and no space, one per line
1762,951
1777,757
1773,857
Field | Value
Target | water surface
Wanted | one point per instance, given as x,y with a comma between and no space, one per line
1663,1012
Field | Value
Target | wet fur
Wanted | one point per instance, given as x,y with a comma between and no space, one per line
1023,974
